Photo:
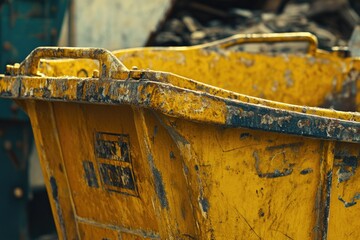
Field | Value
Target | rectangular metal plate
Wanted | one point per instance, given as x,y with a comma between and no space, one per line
112,152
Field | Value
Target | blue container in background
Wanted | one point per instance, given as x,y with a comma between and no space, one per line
24,209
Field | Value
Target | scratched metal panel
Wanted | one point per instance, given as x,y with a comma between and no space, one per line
157,155
239,181
293,79
345,193
101,174
252,184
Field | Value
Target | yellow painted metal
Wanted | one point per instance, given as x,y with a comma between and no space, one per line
146,154
313,79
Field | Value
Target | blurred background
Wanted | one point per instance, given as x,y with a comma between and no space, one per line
116,24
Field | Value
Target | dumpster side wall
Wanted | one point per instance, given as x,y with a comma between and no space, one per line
345,193
129,172
111,171
253,184
109,181
51,158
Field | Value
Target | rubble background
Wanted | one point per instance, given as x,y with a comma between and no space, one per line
200,21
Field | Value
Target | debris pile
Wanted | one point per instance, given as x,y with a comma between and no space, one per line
200,21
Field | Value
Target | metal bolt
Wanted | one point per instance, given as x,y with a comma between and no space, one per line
95,74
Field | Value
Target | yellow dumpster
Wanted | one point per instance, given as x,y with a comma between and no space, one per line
143,154
309,77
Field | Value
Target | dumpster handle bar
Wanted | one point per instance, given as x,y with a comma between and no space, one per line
109,64
270,38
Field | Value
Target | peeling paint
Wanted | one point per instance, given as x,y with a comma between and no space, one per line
350,203
306,171
247,62
326,204
261,213
288,78
204,206
90,175
347,166
275,174
55,196
204,107
245,135
345,99
290,122
159,185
